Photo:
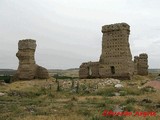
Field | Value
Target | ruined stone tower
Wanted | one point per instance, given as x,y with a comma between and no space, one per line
141,64
116,58
136,59
28,69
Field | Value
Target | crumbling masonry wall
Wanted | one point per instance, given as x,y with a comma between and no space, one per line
141,64
116,59
89,70
28,69
136,58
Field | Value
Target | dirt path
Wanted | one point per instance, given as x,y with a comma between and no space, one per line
155,84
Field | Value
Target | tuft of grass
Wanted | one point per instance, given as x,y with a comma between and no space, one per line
123,93
69,106
148,89
110,91
22,94
129,107
103,104
132,91
98,118
85,112
130,101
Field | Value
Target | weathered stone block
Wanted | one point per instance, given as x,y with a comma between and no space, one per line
28,69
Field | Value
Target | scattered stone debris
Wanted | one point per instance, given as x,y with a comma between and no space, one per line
117,94
144,82
2,94
31,108
157,105
117,109
55,110
148,89
86,84
158,78
132,83
3,83
118,86
123,93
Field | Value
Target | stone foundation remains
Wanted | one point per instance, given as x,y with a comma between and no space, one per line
89,70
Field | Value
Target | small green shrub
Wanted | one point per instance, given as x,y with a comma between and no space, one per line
101,105
106,92
148,89
6,78
130,100
98,118
129,107
132,91
85,112
69,106
123,93
109,101
51,95
107,118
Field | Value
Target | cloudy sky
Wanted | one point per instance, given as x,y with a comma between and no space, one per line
68,32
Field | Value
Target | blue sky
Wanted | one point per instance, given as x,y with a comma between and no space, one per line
68,32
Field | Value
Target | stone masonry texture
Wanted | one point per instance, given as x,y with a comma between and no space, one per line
116,58
28,69
141,64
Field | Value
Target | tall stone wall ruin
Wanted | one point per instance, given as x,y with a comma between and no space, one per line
136,59
141,64
116,59
28,69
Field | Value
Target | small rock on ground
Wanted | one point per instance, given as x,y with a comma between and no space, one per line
2,94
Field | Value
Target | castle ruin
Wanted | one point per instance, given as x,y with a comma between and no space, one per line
89,70
28,69
116,58
141,64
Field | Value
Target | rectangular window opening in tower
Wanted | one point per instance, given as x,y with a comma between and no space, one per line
112,69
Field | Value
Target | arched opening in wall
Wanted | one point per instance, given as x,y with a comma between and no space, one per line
90,71
112,69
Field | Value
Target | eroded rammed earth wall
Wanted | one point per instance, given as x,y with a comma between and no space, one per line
116,58
28,69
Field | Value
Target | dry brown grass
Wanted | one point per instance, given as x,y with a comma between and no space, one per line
36,100
53,117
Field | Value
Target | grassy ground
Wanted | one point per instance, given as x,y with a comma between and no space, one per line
39,100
